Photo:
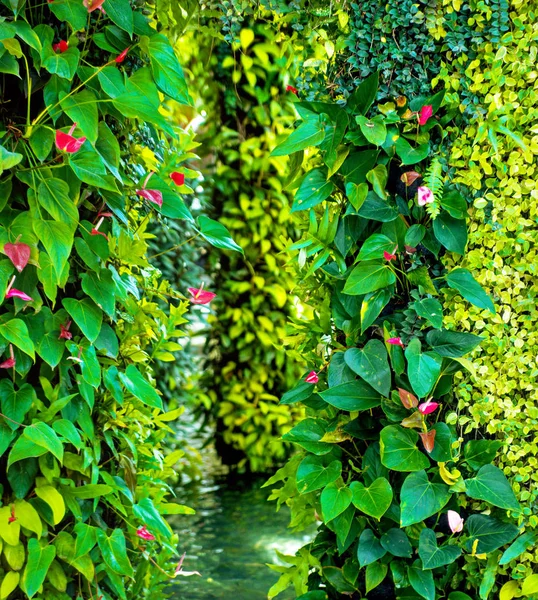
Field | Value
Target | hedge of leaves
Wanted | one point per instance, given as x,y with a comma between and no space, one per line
84,315
386,474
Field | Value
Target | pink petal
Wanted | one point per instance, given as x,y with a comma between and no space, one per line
455,522
425,113
177,178
388,256
200,296
121,56
7,364
143,533
92,5
18,254
154,196
312,377
74,145
428,407
290,88
395,341
425,195
68,143
13,293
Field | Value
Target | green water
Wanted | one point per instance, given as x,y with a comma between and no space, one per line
231,538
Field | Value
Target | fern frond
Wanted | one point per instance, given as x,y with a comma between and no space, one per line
433,178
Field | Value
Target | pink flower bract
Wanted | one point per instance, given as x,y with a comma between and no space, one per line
426,408
312,377
395,341
201,296
92,5
428,439
62,46
18,254
388,256
68,143
425,113
65,334
121,56
177,178
8,364
13,293
455,522
144,534
290,88
424,195
154,196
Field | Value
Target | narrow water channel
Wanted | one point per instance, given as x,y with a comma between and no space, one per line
232,536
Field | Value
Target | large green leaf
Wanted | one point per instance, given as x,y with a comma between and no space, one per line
462,281
491,533
490,484
72,11
16,332
480,452
430,309
351,396
375,574
167,71
43,435
38,564
308,434
421,581
432,555
371,364
216,234
86,315
373,500
364,96
310,133
420,499
16,402
132,105
41,141
63,64
369,276
23,449
58,241
372,305
523,542
410,155
423,369
88,167
82,110
146,512
140,388
335,499
374,130
375,246
121,13
101,288
399,450
452,343
315,472
53,195
396,542
452,233
369,549
314,189
114,551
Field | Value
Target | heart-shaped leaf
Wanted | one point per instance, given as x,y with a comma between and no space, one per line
374,500
371,364
420,498
369,549
334,500
18,254
431,554
491,485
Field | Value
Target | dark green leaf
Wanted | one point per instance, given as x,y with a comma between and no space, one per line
373,500
462,281
421,581
216,234
421,499
423,369
452,233
430,309
399,450
371,364
490,484
86,315
121,13
491,533
313,190
369,549
316,472
432,555
523,543
397,543
410,155
369,276
480,452
364,96
352,396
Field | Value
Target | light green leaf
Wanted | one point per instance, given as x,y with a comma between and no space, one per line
86,315
314,189
334,500
43,435
58,241
53,195
369,276
374,500
490,484
216,234
140,388
82,110
16,332
423,369
399,450
310,133
37,566
462,281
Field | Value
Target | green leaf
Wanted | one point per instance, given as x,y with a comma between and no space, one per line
37,567
302,391
16,403
41,142
432,555
374,130
114,551
371,364
337,580
430,309
372,305
53,195
375,574
442,450
82,110
86,538
58,241
452,343
112,82
414,235
68,431
101,288
410,155
421,581
375,208
491,533
451,233
10,66
28,517
88,167
314,189
308,134
72,11
307,434
373,500
89,491
8,159
374,247
369,276
86,315
216,234
369,549
43,435
364,96
421,278
334,500
397,543
421,499
121,13
462,281
132,105
140,388
423,369
64,64
351,396
16,332
454,203
316,472
480,452
399,450
524,542
22,449
490,484
356,193
146,512
167,71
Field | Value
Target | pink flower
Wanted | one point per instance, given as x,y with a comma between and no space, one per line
61,46
425,113
13,518
143,533
388,256
7,364
154,196
121,56
13,293
18,254
68,143
177,178
179,569
201,296
65,334
92,5
312,377
395,341
428,407
425,195
95,231
455,522
293,90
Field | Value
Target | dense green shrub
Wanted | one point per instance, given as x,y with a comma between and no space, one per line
84,315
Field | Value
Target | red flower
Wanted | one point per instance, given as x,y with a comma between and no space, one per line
312,377
154,196
293,90
92,5
177,178
143,533
121,56
428,407
65,334
13,293
61,46
7,364
18,254
425,113
388,256
68,143
201,296
395,341
13,518
428,439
